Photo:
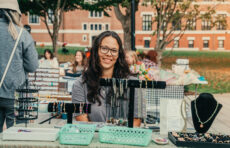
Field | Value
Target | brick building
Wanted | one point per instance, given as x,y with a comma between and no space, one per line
80,27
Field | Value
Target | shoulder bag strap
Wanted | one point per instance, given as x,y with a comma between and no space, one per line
11,57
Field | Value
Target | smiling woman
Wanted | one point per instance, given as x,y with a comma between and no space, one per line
107,60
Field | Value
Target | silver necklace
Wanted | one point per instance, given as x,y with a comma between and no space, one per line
202,123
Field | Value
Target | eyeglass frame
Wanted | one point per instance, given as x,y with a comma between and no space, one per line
109,50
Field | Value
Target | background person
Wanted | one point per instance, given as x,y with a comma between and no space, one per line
25,58
48,61
78,65
150,59
131,57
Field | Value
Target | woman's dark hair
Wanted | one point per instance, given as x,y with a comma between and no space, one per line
49,51
94,71
75,63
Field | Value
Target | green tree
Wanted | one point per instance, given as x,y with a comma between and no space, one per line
174,17
51,11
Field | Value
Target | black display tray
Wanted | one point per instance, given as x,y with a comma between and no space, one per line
196,144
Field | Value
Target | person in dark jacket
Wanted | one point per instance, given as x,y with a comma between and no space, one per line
25,58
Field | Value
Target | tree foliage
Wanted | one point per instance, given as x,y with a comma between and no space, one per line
52,11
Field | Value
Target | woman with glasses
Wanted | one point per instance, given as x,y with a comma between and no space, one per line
107,60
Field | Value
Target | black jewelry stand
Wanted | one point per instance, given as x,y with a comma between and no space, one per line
206,105
26,103
69,108
132,84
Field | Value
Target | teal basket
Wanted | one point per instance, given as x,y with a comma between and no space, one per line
125,135
77,134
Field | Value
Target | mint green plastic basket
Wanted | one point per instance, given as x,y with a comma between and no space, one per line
77,134
125,135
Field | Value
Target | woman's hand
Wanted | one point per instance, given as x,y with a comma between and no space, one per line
82,117
136,122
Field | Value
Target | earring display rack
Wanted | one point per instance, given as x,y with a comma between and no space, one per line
68,108
26,104
132,84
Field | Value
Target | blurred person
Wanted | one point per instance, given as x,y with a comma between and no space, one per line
131,57
64,49
25,58
48,61
78,65
28,28
150,59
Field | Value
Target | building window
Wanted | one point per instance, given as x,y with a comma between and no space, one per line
95,26
206,25
176,44
99,27
147,23
84,38
221,24
206,43
91,13
163,26
147,44
191,24
91,27
221,44
97,14
106,26
85,27
191,43
176,25
100,14
33,19
50,16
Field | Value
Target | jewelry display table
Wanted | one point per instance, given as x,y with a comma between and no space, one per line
94,144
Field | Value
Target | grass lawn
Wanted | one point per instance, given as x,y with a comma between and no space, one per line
214,66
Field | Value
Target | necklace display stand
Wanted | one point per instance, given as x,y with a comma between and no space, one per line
132,84
204,110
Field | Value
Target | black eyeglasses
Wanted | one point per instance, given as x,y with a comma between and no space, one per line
105,50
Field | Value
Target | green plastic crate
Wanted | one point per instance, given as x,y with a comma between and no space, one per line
125,135
77,134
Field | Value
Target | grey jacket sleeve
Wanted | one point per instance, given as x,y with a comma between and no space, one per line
78,91
30,55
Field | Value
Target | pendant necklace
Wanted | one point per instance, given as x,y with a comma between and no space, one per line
202,123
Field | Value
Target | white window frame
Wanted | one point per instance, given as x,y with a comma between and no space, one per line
192,43
219,44
48,20
84,38
86,26
108,26
94,14
33,23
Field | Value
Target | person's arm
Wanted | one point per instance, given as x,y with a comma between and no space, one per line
55,63
78,96
30,55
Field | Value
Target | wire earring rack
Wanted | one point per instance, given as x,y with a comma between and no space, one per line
26,103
